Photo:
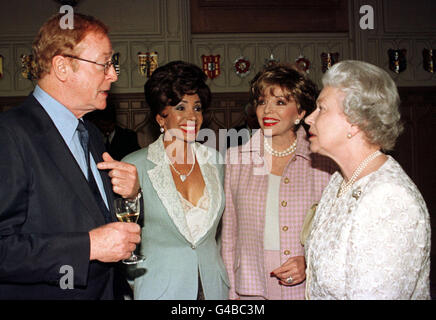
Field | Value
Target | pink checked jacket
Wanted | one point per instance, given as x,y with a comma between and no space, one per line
246,184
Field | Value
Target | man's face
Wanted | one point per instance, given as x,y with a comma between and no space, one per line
88,83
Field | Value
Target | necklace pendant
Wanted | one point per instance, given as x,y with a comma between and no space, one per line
183,177
356,194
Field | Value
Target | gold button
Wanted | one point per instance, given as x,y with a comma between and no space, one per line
285,228
286,181
284,203
287,252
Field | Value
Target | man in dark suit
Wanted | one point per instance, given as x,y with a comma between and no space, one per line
119,141
58,238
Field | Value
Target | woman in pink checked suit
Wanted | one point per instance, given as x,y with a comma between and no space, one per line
271,182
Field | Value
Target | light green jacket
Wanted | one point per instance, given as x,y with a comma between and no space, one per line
170,270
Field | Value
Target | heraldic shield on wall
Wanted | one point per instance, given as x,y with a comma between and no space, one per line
397,60
147,63
211,65
328,60
242,66
116,62
302,63
28,66
271,61
429,59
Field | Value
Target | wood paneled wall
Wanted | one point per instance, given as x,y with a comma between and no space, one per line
280,16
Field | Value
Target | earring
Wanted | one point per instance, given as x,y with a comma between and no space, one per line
162,130
349,136
297,121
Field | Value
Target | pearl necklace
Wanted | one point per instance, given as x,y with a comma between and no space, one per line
346,186
182,176
283,153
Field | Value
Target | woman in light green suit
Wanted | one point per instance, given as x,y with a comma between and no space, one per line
183,195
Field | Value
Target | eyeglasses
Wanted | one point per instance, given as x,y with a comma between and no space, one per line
106,65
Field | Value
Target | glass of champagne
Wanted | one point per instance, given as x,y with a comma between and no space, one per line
128,211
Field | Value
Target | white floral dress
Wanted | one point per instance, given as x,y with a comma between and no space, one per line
371,243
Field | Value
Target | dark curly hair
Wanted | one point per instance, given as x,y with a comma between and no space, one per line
292,82
169,83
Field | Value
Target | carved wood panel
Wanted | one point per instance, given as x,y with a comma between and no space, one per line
281,16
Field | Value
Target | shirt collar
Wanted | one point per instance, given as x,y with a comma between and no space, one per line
64,120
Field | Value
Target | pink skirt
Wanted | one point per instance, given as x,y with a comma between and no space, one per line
274,290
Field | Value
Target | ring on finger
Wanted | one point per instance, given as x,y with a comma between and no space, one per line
289,280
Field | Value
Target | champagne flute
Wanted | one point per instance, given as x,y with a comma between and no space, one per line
128,211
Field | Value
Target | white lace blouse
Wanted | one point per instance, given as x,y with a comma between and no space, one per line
371,243
197,217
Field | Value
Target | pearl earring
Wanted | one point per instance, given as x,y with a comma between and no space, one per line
297,121
349,136
162,130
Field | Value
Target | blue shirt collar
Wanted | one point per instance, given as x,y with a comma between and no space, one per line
64,120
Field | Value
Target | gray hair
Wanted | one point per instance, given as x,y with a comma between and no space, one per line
371,101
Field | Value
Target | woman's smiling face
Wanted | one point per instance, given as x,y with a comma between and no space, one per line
276,112
183,120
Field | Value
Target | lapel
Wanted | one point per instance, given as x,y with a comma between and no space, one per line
52,143
162,181
253,153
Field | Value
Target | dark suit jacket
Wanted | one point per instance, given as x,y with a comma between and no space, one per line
46,211
124,142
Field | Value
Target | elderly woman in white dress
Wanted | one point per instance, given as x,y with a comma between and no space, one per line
370,236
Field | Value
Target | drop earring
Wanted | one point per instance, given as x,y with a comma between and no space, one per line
349,136
162,130
297,121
